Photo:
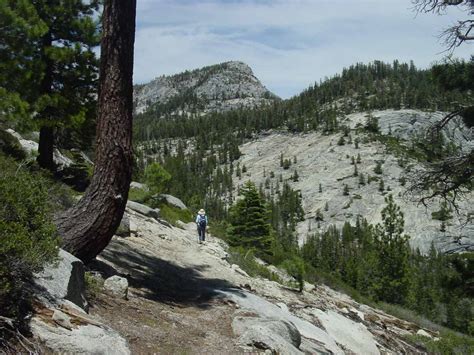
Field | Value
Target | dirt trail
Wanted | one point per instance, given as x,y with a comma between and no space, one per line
173,306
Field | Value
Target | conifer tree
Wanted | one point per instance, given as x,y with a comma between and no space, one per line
378,168
62,86
89,225
295,176
394,251
381,186
248,222
21,29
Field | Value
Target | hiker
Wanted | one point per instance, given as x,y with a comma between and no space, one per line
201,222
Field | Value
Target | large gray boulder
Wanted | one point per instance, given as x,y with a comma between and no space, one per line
28,146
117,286
277,335
93,338
138,186
173,201
144,210
63,280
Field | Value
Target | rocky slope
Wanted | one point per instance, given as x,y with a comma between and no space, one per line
320,160
187,298
219,87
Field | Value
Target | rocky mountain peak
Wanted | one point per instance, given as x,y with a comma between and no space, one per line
214,88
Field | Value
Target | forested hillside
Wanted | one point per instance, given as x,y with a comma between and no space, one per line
362,182
201,142
327,156
361,87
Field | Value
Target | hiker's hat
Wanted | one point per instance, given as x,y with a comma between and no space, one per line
201,211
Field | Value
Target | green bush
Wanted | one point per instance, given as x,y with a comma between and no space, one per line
28,237
173,214
156,178
246,260
94,285
449,343
139,195
296,268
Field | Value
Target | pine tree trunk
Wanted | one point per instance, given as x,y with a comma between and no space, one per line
87,227
46,148
46,138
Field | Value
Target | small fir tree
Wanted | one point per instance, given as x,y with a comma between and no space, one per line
346,190
378,168
295,176
248,222
381,185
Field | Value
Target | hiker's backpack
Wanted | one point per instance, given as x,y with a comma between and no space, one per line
202,221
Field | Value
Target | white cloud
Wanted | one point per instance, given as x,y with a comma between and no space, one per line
288,44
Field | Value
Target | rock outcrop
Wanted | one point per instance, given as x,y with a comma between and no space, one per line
60,322
63,280
320,160
277,335
117,286
217,88
189,294
143,209
173,201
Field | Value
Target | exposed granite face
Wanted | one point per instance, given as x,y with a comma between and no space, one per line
410,124
220,87
320,160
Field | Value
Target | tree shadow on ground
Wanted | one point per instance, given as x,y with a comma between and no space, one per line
160,280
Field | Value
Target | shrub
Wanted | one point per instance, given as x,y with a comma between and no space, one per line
378,168
94,285
443,214
139,195
173,214
296,268
29,238
247,262
156,178
449,343
372,124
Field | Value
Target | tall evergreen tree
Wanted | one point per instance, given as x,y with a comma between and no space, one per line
89,225
393,250
21,29
67,86
248,218
48,62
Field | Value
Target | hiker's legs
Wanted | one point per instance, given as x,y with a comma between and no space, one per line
200,233
203,231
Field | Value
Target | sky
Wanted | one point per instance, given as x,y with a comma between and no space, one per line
288,44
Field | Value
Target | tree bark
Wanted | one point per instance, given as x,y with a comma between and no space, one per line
46,148
46,138
87,227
